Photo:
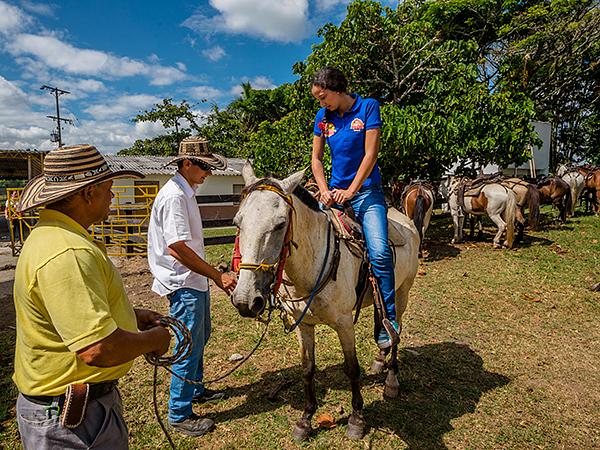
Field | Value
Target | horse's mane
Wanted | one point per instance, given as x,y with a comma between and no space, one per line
302,193
545,182
307,198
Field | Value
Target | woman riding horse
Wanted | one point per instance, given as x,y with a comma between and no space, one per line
351,126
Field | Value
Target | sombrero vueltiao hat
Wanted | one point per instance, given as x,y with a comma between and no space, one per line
196,147
66,171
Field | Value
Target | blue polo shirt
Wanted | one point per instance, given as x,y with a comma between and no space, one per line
346,139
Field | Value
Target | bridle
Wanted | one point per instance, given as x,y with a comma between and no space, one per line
275,301
288,241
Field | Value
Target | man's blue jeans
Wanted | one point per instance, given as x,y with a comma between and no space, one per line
371,212
192,307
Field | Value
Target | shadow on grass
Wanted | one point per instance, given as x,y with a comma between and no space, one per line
438,383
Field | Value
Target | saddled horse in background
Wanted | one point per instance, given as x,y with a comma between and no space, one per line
555,191
277,215
493,199
592,183
417,203
527,197
575,178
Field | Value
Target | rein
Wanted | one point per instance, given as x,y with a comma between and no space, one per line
183,348
279,265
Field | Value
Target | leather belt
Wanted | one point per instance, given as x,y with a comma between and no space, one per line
97,390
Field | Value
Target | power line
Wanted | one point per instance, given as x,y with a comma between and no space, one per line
56,136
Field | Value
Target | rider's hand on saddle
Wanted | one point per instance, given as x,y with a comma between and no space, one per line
326,198
226,282
342,195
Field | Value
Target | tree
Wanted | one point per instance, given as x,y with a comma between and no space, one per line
180,117
552,51
424,61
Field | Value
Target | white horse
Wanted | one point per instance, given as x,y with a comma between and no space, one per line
493,199
575,178
268,210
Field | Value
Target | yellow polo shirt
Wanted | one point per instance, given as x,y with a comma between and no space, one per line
68,295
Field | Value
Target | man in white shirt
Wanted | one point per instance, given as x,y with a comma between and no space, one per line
177,261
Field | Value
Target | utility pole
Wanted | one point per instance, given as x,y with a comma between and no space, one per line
57,135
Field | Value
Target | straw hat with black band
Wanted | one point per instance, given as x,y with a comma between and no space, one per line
196,148
66,171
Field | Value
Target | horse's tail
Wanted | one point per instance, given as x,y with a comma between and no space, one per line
419,214
509,217
533,205
567,203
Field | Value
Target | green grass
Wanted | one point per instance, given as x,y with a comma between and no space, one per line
499,351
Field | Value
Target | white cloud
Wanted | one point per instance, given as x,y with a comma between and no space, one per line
259,82
12,19
282,20
42,9
205,93
124,106
58,55
214,53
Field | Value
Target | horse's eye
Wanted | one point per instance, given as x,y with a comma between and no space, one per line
279,226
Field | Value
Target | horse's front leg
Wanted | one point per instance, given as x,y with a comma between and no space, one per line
458,220
356,422
306,339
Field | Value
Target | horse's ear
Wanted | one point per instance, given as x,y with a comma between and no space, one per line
248,174
291,182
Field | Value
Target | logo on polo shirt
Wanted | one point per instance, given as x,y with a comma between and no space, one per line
357,125
327,128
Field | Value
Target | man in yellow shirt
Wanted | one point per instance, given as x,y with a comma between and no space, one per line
77,333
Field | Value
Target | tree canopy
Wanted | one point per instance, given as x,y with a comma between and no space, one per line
458,81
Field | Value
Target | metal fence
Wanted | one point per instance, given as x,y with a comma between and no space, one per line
124,232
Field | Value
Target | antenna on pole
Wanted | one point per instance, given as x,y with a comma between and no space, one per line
56,136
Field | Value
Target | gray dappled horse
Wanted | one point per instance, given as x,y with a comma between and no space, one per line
575,178
268,210
493,199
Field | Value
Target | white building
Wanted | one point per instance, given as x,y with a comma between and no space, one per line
212,194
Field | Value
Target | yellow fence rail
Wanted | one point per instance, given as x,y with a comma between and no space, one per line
125,232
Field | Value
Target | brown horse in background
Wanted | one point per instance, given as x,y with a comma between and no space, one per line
592,183
417,203
555,191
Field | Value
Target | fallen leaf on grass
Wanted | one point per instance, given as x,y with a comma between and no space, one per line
325,420
594,241
529,298
421,273
595,287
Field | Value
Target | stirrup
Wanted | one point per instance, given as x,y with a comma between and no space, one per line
391,331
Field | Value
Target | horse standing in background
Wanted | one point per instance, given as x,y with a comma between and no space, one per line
556,191
575,178
417,203
493,199
527,197
592,183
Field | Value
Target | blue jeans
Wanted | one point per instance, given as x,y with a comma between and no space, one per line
192,307
371,212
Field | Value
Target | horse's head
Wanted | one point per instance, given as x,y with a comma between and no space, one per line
263,220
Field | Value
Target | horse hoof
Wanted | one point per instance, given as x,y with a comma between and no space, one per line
356,428
496,245
301,433
377,366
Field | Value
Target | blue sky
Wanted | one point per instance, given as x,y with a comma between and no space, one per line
120,57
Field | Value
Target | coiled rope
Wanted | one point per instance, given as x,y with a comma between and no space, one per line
183,348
